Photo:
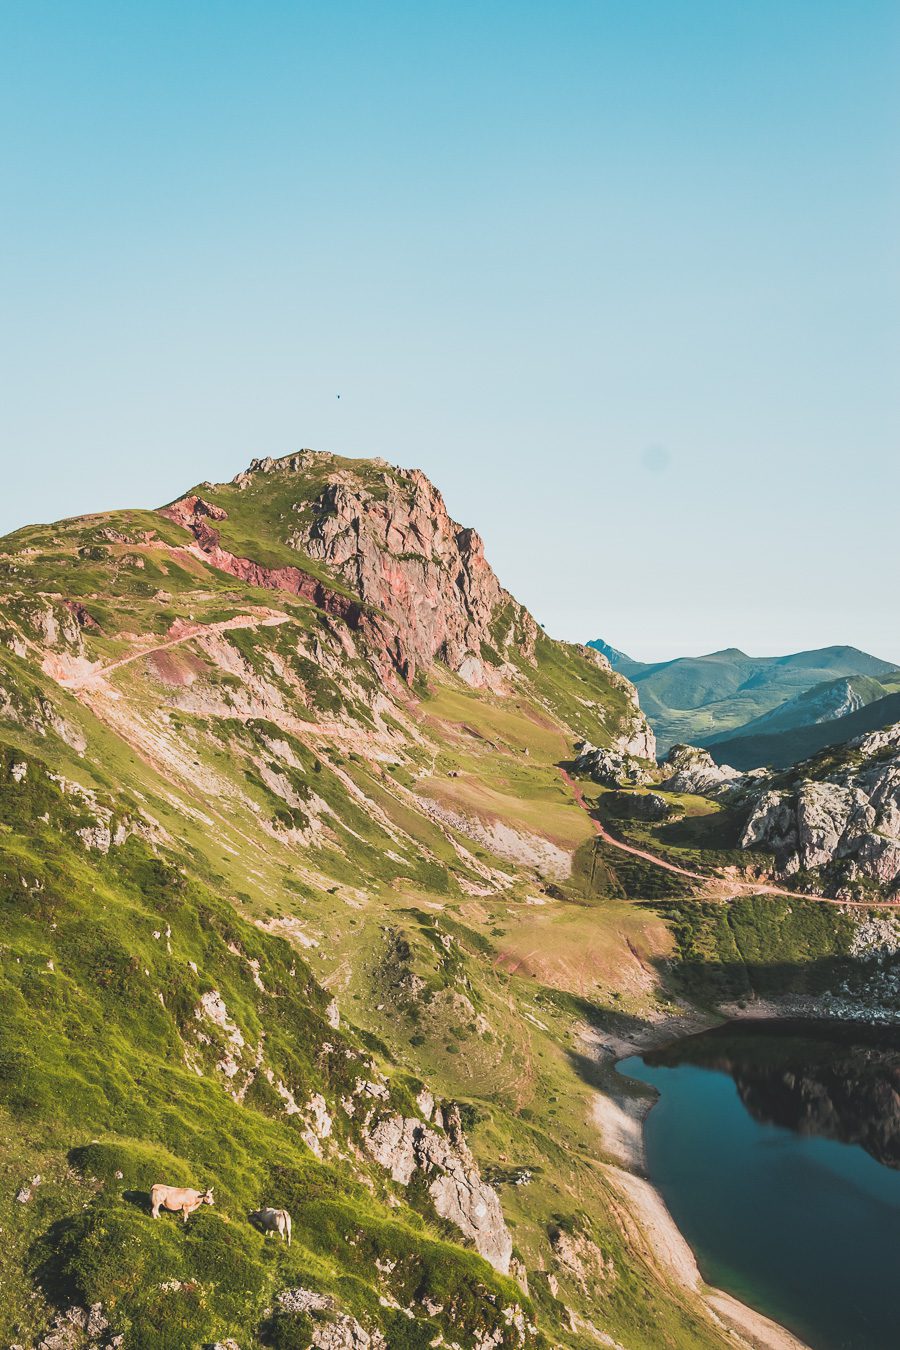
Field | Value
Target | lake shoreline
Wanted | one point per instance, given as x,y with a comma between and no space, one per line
619,1110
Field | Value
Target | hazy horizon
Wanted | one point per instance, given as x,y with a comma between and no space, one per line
623,280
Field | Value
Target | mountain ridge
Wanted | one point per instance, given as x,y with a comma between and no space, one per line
700,700
781,749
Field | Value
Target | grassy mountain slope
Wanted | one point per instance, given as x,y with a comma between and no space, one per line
255,881
823,703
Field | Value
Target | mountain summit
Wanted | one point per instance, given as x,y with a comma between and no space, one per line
386,535
375,546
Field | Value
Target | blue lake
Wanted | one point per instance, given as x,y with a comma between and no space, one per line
777,1150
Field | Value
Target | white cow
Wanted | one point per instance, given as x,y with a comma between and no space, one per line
273,1221
181,1199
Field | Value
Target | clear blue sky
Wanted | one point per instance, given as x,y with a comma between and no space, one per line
621,276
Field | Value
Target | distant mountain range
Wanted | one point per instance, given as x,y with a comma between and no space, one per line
783,747
752,710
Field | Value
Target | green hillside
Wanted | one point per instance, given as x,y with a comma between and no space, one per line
264,900
698,700
781,749
822,703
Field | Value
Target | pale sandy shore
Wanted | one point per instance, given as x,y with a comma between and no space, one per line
671,1253
619,1119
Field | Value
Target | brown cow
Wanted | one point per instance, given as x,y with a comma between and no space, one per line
178,1198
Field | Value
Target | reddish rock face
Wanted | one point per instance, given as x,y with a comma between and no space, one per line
401,551
188,511
193,512
81,615
425,590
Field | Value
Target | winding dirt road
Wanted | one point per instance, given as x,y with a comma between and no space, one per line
747,887
77,673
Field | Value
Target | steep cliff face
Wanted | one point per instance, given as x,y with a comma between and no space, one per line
374,546
389,537
460,1195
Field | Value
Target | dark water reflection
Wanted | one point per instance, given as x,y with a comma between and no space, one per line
777,1148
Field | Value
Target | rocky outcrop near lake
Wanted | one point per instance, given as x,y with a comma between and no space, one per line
837,815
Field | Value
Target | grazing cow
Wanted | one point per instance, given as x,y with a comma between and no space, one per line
273,1221
181,1199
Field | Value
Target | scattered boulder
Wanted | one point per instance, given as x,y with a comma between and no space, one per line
687,768
24,1193
303,1301
336,1331
345,1333
76,1327
612,767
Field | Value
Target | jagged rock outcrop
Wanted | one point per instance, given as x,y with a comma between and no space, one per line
404,1145
636,737
631,758
612,767
850,816
191,509
78,1328
338,1331
687,768
345,1333
639,806
400,551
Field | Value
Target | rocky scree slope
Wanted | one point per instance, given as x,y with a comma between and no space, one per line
276,854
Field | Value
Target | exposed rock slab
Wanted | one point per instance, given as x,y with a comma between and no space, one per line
404,1145
850,816
690,769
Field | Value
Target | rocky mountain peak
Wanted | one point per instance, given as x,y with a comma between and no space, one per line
374,546
295,463
386,534
397,547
